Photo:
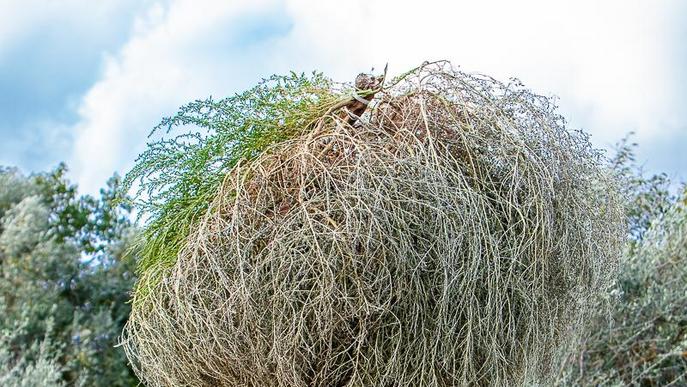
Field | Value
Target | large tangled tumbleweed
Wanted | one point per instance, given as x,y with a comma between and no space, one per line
456,233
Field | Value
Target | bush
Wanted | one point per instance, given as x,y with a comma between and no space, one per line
64,280
456,234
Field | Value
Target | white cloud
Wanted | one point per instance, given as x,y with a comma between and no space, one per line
606,59
610,62
154,73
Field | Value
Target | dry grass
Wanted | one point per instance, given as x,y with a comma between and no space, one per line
456,235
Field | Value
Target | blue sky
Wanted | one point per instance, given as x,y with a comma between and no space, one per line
84,81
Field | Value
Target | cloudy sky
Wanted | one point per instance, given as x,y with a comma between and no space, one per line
85,81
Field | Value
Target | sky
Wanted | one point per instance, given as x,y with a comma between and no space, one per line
85,81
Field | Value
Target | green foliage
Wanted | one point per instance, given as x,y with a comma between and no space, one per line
24,226
178,177
68,215
90,223
648,198
44,371
65,277
644,339
13,188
